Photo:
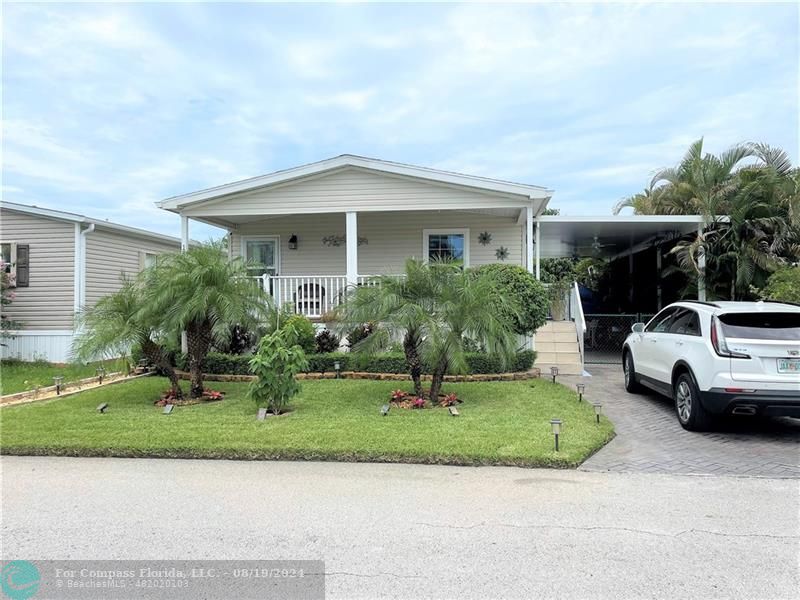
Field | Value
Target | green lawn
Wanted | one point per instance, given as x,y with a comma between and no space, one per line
20,376
502,423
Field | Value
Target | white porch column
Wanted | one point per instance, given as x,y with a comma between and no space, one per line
351,232
184,233
701,264
529,238
538,249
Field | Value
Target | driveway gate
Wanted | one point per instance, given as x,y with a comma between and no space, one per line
605,334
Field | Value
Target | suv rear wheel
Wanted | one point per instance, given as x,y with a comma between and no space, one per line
691,414
631,385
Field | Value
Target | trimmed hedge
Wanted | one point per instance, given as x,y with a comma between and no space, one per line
392,362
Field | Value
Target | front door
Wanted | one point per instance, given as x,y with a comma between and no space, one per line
261,254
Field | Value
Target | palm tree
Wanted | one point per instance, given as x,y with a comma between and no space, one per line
435,308
203,293
403,307
465,307
119,322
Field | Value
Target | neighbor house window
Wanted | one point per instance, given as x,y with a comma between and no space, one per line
443,244
8,250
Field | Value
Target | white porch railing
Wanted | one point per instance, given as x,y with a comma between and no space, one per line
309,295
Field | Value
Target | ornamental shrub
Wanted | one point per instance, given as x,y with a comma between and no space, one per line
783,285
531,300
276,365
302,332
327,341
389,362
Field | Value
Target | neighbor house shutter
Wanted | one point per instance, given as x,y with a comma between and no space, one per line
23,265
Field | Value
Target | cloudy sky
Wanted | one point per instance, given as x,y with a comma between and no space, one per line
108,108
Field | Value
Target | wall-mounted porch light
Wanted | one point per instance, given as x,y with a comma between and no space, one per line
293,242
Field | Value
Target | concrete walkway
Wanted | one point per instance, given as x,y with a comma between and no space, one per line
650,439
410,531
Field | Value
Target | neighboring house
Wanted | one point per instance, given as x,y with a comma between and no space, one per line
319,228
63,261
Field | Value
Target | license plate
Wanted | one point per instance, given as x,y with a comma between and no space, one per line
789,365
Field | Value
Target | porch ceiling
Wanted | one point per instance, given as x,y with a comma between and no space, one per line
563,236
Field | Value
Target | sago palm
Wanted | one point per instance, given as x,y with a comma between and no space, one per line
203,293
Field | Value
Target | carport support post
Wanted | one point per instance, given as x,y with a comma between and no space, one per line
658,277
184,248
701,265
351,231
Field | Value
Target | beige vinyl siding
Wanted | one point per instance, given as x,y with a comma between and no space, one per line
48,302
391,238
112,253
353,188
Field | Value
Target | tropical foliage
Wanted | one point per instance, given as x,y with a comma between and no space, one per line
122,321
530,311
276,364
435,309
783,285
750,195
204,293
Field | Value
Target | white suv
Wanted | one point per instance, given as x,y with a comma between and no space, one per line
716,358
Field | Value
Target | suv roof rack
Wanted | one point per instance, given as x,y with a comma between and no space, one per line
702,302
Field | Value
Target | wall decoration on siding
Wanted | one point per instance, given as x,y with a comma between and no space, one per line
485,238
338,240
501,253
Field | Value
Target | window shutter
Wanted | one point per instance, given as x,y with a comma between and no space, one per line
23,265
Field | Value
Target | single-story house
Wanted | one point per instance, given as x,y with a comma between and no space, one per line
318,228
60,262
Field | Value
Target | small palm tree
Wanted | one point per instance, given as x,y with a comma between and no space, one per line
119,322
203,293
465,308
402,305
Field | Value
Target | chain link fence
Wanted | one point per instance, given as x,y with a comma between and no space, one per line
605,334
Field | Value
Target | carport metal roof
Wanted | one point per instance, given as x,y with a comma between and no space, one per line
610,235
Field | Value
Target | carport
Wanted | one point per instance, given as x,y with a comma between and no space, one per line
635,245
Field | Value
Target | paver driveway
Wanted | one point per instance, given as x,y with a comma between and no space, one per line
650,439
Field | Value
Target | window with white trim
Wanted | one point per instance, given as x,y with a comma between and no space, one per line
150,259
8,251
447,244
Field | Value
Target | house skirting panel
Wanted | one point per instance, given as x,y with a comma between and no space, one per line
52,346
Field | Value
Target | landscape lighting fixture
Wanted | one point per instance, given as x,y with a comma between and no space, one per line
598,409
102,408
58,380
262,414
337,366
556,425
168,409
453,411
581,388
385,409
100,372
554,372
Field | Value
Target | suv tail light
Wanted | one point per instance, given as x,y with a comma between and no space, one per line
719,343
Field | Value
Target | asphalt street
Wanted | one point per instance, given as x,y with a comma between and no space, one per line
409,531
